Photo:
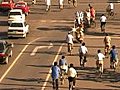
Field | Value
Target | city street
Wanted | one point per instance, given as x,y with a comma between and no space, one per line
33,56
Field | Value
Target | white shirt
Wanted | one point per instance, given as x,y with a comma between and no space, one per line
111,6
48,2
88,15
69,39
61,2
83,49
100,56
103,19
72,72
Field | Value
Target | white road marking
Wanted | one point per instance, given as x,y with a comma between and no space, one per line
48,75
40,47
7,71
97,37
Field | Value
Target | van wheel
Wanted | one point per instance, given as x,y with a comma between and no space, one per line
26,13
6,60
25,35
11,53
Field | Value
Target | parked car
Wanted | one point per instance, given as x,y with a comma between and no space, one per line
5,51
16,15
18,29
22,5
6,5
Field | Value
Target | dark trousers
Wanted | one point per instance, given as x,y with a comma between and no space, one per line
72,79
102,25
55,83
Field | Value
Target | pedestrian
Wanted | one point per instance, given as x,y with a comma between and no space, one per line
92,12
55,75
113,57
48,4
103,22
72,74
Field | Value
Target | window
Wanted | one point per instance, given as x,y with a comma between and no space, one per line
15,13
16,25
1,47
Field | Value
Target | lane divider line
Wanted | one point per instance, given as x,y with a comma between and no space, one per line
48,75
7,71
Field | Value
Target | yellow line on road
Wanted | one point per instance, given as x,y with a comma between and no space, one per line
48,75
7,71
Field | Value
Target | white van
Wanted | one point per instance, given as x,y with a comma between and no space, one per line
18,29
16,15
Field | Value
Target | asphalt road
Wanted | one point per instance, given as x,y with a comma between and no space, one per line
28,70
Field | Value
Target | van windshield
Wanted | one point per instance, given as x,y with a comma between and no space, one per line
16,25
15,13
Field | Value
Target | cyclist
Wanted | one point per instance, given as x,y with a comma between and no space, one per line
79,34
113,57
82,53
100,57
92,12
88,16
69,40
110,8
63,67
103,22
74,2
55,75
77,20
72,74
107,42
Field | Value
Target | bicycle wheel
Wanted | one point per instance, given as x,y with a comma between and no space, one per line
93,24
100,70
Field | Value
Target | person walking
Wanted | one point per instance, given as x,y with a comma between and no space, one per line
72,74
48,4
103,22
55,75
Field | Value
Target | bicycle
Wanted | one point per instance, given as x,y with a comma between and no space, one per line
99,70
113,65
82,60
110,13
107,50
103,28
64,69
92,23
